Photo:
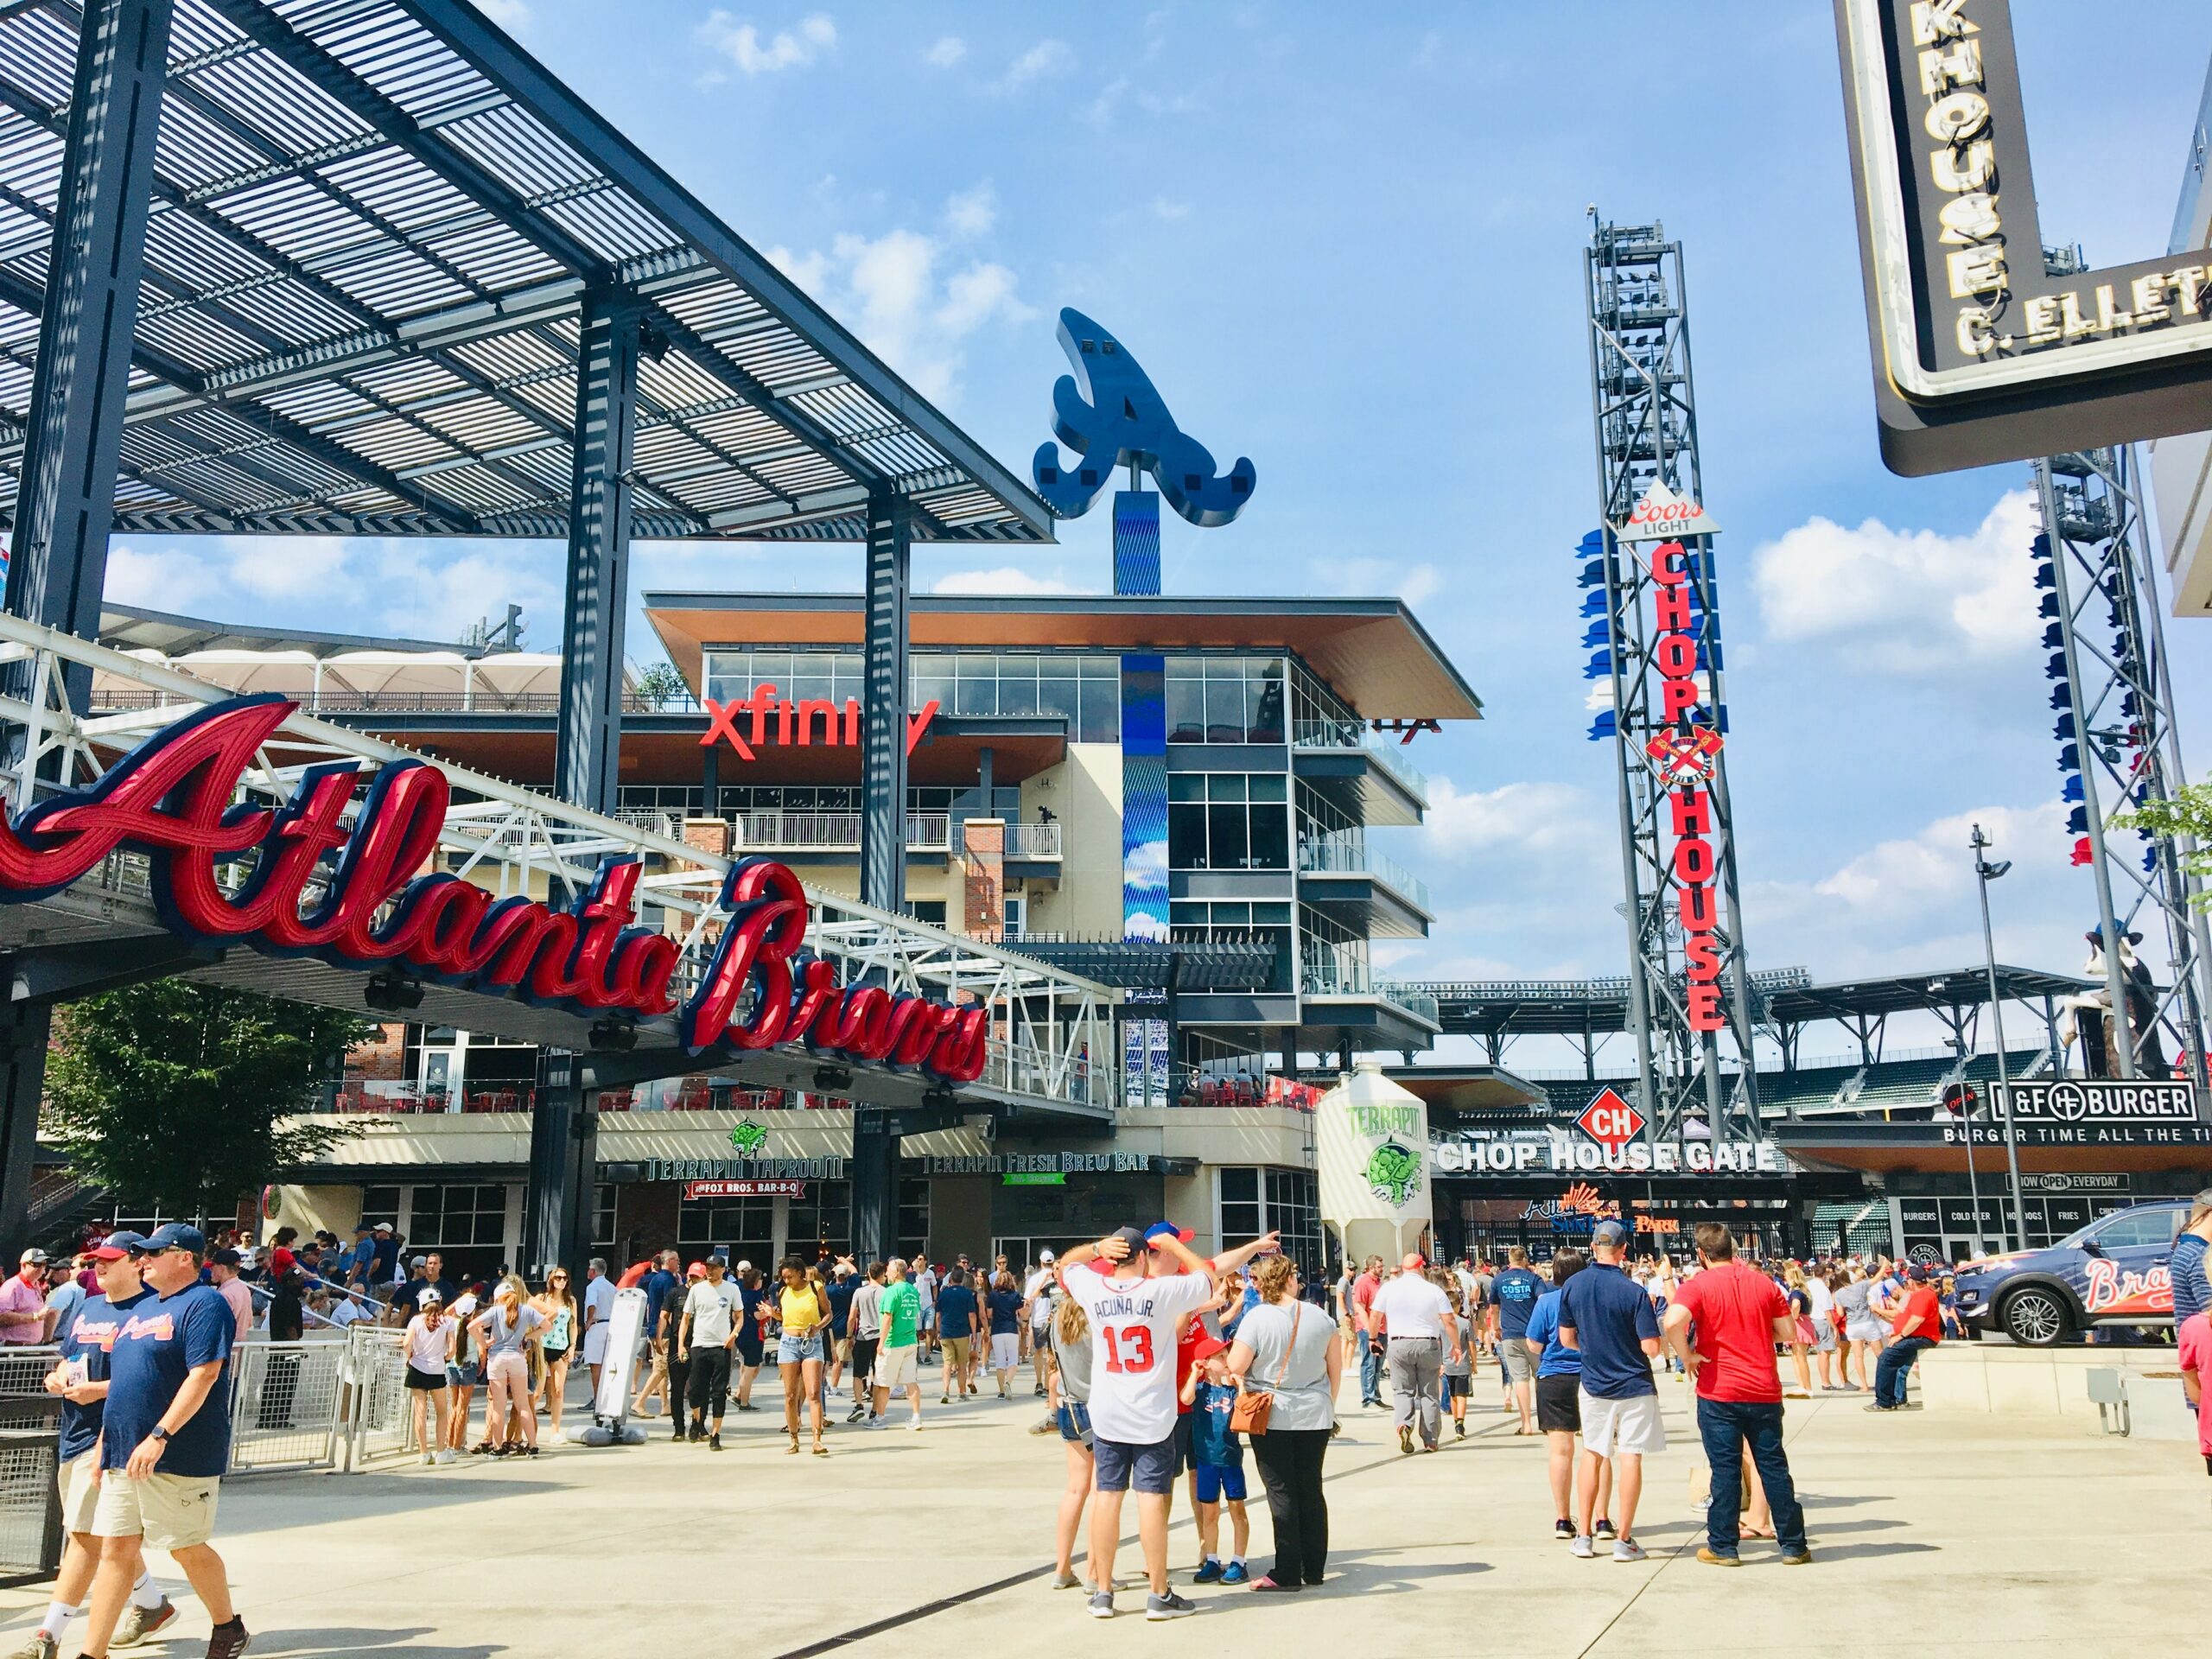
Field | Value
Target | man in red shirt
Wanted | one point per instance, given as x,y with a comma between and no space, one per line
1369,1325
1918,1327
1724,1323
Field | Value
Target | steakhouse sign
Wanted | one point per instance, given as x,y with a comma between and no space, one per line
174,798
1980,353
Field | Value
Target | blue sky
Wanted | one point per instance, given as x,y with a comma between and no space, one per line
1352,252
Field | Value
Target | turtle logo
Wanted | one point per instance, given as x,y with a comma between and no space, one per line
1392,1173
747,1137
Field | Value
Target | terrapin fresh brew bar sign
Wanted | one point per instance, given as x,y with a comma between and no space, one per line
1981,355
300,880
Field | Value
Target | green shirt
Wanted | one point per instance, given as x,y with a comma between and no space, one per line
902,1314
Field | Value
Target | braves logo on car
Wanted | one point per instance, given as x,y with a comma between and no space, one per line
2112,1289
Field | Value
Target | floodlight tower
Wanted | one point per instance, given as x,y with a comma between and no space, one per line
1646,411
2120,744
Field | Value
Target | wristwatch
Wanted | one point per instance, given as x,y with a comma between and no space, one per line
160,1434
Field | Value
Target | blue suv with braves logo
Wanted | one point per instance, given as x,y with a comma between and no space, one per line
2111,1272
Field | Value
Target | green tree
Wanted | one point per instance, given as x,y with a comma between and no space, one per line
661,685
2188,814
169,1094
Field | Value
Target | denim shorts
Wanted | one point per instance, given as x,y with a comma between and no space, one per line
1218,1480
1152,1466
791,1349
462,1376
1075,1423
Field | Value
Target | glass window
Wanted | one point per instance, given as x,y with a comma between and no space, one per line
1099,720
457,1216
1187,836
380,1204
1240,1206
744,1230
2146,1227
1244,825
913,1217
1229,845
602,1220
821,1223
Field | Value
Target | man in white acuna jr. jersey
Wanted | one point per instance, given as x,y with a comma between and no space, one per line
1137,1301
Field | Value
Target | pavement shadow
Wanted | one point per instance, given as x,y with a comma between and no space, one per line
380,1645
367,1496
1849,1552
1369,1571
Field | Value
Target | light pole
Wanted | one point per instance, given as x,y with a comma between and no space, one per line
1966,1116
1985,872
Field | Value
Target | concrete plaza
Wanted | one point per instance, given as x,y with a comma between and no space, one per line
1952,1533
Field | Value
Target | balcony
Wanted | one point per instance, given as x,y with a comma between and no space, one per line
1387,786
1341,996
1032,842
832,832
1371,893
336,700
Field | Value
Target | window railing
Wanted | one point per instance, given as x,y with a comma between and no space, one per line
1349,855
1032,840
766,832
1354,734
342,700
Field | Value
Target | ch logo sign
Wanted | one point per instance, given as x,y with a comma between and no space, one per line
1611,1121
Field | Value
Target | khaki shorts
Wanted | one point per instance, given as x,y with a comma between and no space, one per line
80,1492
168,1511
895,1368
955,1350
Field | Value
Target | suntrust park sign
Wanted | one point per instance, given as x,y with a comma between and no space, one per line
1979,356
350,894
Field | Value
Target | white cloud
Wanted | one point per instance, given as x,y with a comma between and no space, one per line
787,48
1907,601
294,567
513,15
948,51
1003,579
160,581
1046,57
894,291
973,212
1162,209
1535,818
1100,110
1363,577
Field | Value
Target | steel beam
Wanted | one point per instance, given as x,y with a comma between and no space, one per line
586,769
563,1170
66,504
883,718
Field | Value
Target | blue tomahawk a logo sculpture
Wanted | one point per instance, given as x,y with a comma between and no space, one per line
1110,414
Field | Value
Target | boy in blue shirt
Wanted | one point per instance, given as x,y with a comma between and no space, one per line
1218,1461
1559,1414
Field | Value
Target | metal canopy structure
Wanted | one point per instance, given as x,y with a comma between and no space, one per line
374,226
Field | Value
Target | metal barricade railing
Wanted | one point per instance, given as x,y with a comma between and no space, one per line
288,1403
379,1421
30,1499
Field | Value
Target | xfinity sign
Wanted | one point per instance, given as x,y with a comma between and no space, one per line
1981,355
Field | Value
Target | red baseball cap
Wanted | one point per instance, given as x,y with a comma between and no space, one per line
1206,1347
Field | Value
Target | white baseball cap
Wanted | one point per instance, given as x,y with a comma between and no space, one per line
1045,1260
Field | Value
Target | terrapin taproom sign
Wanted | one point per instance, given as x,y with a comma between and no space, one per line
350,894
1980,355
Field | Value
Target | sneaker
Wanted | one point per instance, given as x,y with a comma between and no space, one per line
915,1422
1877,1407
1065,1581
1582,1549
37,1645
697,1435
1234,1572
1208,1572
228,1640
1102,1604
1627,1549
1460,1429
856,1415
1170,1605
427,1459
1603,1529
1562,1527
1712,1560
714,1442
1405,1440
445,1456
944,1399
558,1437
1797,1558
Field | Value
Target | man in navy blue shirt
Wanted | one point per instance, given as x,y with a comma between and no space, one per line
166,1439
658,1285
2186,1265
1607,1318
1514,1291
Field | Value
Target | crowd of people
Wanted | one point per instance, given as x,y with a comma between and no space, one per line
1156,1367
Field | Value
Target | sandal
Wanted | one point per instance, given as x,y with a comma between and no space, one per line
820,1450
792,1449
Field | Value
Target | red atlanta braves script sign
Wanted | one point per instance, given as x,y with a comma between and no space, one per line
175,798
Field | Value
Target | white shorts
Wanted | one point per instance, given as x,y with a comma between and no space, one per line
897,1368
1005,1351
80,1493
595,1345
168,1511
1611,1427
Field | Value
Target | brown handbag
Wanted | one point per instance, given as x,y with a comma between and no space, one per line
1253,1407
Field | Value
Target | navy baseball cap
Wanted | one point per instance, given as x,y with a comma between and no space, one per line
117,1245
176,1236
1609,1233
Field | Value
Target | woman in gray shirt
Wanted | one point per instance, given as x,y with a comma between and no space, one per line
1288,1348
1072,1385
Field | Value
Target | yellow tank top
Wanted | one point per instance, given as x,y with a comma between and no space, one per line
802,1308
